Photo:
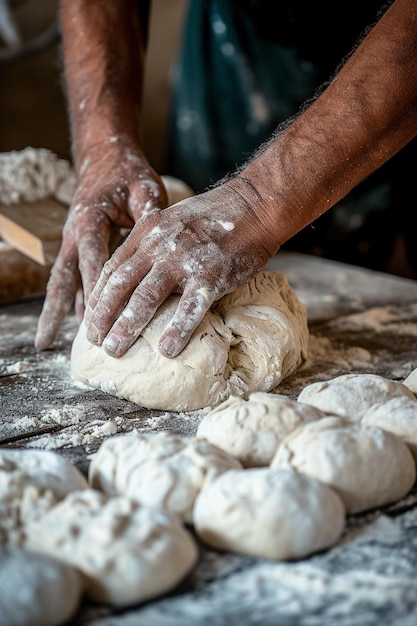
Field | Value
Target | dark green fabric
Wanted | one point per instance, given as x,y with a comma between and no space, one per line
246,66
230,90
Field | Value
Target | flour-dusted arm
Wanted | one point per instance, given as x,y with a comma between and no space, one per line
103,51
207,246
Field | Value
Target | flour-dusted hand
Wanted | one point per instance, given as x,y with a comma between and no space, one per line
209,245
203,247
103,53
114,191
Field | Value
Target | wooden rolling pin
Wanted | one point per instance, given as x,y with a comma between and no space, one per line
35,228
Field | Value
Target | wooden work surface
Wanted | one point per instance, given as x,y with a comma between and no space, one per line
360,321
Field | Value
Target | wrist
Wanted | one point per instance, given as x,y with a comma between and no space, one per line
114,147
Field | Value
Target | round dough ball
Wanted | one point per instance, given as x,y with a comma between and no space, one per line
351,395
251,430
31,481
160,469
398,416
36,590
366,465
270,513
250,340
127,553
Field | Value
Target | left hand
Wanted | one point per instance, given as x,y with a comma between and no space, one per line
204,247
113,192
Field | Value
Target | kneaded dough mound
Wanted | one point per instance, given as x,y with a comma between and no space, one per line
126,553
249,341
36,590
31,482
398,416
367,466
251,430
162,469
351,395
269,513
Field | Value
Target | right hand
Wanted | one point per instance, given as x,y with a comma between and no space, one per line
202,247
116,187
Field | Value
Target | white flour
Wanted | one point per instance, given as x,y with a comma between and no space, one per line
35,174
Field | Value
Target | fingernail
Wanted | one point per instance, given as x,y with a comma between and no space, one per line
111,343
168,346
92,334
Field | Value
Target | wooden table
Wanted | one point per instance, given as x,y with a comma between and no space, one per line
360,321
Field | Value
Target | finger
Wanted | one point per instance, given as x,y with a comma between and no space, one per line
62,285
122,257
142,306
119,286
79,304
193,305
145,197
93,253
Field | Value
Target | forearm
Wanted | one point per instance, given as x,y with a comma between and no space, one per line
367,113
103,51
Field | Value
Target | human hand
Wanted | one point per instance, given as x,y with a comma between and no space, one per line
204,247
116,187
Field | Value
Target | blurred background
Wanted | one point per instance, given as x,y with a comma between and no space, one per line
32,104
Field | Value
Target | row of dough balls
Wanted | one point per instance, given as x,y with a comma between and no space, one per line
61,539
269,477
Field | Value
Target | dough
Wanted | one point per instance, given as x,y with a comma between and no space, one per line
249,341
36,590
35,174
127,553
269,513
398,416
162,469
251,430
351,395
31,482
176,189
366,465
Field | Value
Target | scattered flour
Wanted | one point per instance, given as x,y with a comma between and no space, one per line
379,319
93,431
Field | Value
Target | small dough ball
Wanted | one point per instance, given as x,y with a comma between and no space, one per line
366,465
176,189
31,481
351,395
36,590
251,430
411,382
161,469
250,340
398,416
269,513
127,553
